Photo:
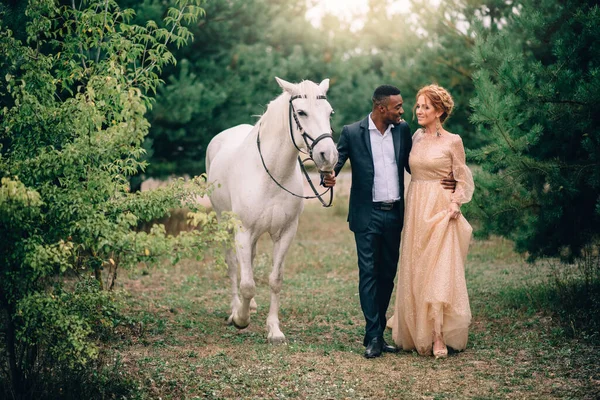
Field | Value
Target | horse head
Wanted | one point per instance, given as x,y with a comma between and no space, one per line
310,121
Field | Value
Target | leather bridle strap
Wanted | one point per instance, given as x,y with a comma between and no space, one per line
305,134
312,186
314,189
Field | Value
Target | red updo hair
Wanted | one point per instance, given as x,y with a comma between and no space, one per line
440,100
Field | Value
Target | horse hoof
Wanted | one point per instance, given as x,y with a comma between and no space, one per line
231,321
277,340
240,326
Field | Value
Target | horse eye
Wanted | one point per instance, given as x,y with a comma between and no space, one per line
301,113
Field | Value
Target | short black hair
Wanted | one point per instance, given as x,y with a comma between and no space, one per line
384,91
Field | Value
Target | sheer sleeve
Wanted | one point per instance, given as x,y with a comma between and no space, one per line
464,178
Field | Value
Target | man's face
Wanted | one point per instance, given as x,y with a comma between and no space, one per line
392,111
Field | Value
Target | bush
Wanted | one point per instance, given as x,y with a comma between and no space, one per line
77,85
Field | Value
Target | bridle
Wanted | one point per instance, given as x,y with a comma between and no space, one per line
305,134
310,146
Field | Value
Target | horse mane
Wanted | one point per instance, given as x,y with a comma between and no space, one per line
276,117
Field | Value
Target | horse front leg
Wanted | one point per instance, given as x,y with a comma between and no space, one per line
280,248
240,313
232,264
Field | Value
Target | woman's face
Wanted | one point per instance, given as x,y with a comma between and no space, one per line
426,114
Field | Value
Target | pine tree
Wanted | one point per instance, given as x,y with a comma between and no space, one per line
537,94
432,43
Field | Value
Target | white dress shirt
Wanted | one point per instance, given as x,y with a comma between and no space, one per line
386,186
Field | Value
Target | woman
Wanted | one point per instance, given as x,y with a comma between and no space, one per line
432,304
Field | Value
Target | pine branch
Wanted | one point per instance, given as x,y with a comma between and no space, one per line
581,168
459,70
506,138
518,209
573,102
470,42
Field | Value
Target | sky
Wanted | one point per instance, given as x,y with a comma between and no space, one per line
348,8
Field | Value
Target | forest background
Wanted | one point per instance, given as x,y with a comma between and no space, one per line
524,75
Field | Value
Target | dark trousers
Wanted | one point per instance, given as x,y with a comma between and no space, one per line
378,250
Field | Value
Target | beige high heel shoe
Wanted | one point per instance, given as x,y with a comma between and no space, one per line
439,353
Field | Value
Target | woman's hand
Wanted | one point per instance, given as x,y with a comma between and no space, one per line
454,210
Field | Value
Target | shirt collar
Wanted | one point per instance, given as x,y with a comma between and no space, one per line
372,124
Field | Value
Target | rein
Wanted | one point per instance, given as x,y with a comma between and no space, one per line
309,146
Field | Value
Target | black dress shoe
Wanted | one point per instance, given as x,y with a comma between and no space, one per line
374,348
388,348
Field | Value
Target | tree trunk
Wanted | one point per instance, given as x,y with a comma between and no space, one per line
16,374
98,276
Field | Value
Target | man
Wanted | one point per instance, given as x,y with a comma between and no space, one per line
378,149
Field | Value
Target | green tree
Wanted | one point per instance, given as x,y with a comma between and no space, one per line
432,43
537,89
75,92
227,75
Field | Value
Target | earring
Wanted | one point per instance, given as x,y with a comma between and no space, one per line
438,126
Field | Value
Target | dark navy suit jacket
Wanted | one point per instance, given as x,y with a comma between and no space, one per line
355,145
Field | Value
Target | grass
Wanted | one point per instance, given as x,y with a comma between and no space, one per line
182,348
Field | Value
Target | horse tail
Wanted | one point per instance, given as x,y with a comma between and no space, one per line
211,151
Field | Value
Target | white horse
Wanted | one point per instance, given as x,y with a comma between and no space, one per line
258,177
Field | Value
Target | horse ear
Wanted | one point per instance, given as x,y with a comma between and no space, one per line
285,85
324,86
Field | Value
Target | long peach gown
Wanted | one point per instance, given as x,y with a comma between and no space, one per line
432,291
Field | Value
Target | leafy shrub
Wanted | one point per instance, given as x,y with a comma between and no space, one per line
76,87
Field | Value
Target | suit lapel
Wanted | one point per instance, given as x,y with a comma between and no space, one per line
397,138
364,132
